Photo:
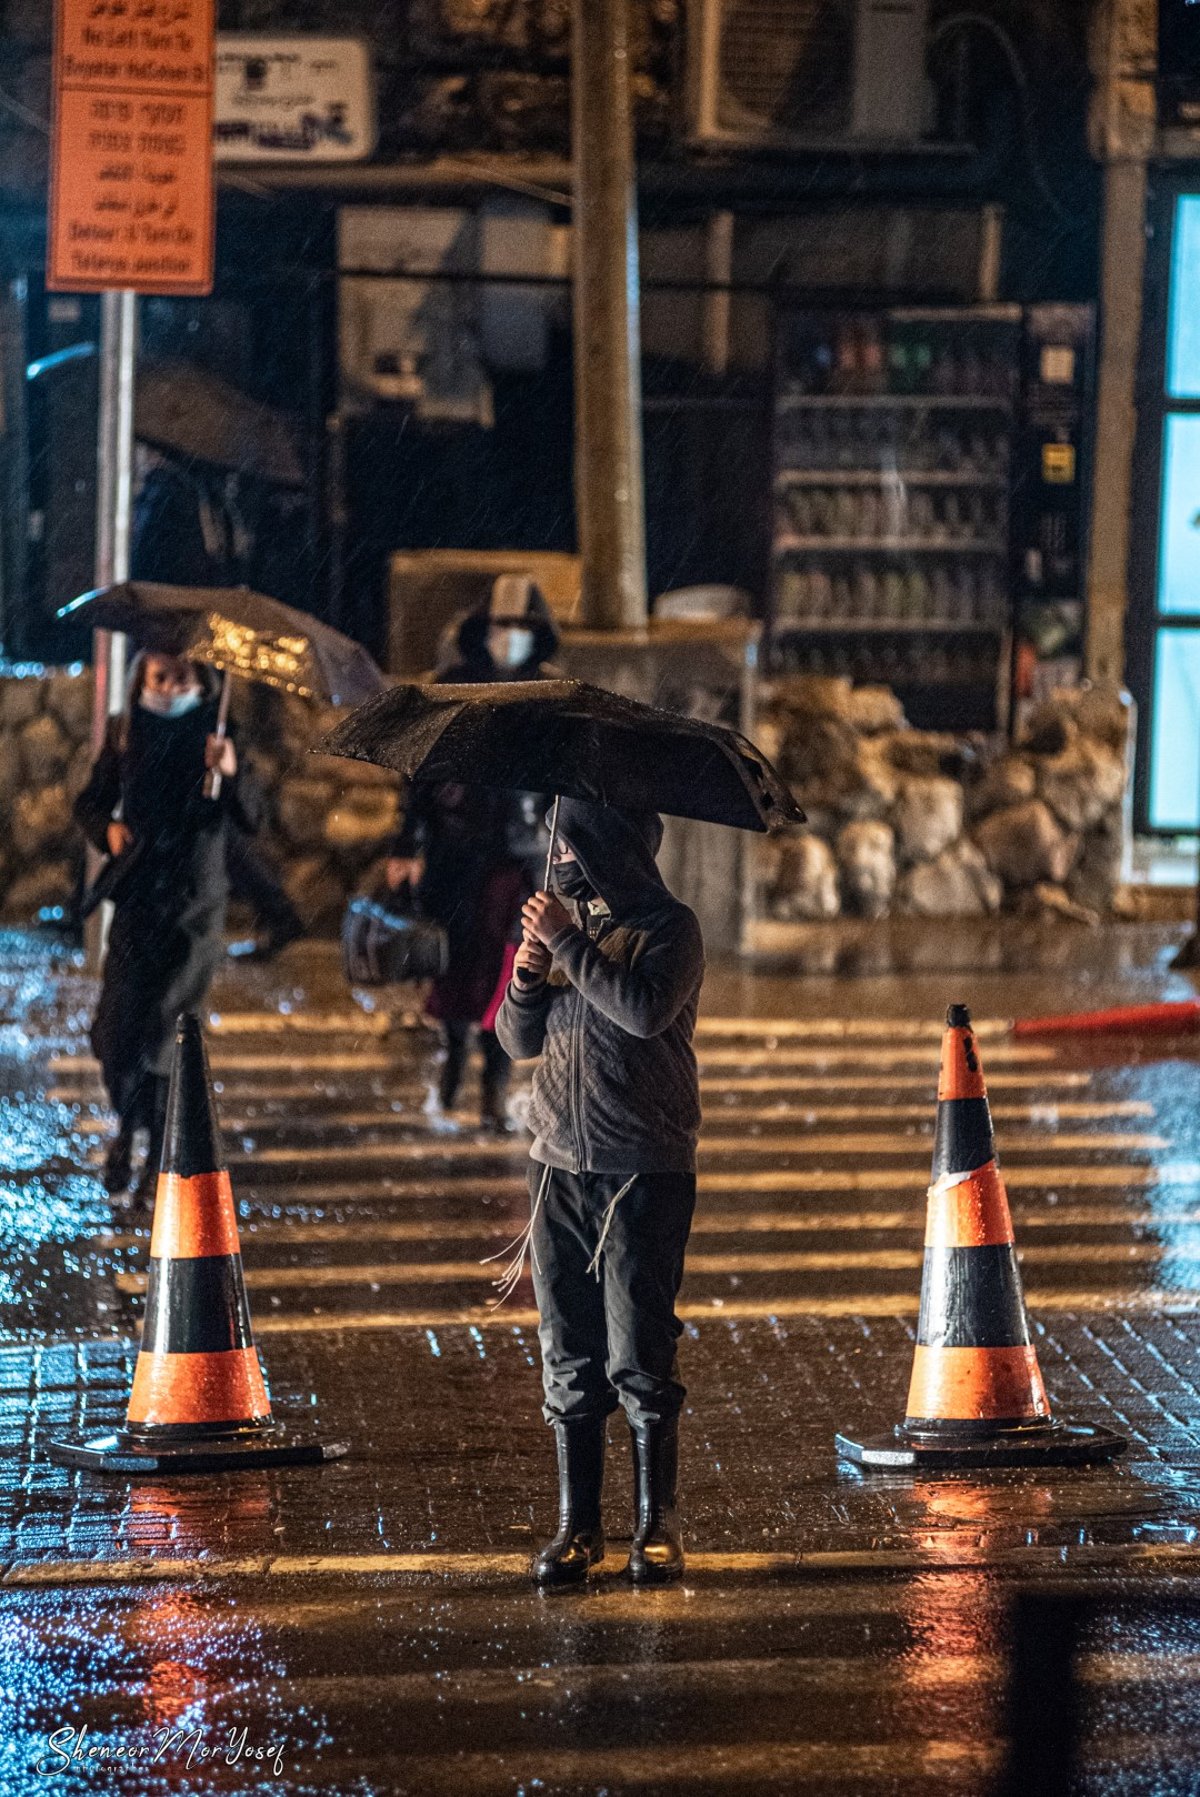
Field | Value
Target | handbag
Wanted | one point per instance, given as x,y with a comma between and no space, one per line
387,941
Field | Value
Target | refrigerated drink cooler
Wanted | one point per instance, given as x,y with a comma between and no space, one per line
927,501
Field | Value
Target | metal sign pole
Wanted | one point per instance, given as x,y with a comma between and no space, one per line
114,508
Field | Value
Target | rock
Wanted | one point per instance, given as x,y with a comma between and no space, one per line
769,734
39,821
10,768
1050,727
301,808
927,752
874,709
816,695
1082,783
363,821
21,698
69,699
1104,711
78,769
831,768
1007,781
803,883
866,854
956,883
1024,844
927,817
1048,897
1095,880
45,751
50,883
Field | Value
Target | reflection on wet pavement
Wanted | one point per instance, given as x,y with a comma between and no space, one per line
368,1626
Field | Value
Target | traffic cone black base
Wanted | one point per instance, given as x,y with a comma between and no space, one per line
1027,1444
121,1451
199,1402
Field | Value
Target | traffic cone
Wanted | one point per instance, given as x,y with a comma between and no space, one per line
976,1395
198,1402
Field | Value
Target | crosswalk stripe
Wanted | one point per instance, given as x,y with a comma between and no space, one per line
222,1062
786,1082
705,1223
1044,1115
699,1264
441,1564
451,1149
786,1028
720,1309
1013,1053
303,1023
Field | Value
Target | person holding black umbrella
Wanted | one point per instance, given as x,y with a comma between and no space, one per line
472,854
605,990
146,806
604,995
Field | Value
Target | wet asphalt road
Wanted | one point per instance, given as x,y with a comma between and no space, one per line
368,1626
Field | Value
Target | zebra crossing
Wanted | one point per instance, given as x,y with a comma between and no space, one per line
356,1212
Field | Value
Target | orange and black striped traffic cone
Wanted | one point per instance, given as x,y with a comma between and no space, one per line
976,1395
198,1402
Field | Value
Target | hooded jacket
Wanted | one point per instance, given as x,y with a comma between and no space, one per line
616,1088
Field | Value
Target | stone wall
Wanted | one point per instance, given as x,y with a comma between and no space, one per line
911,822
901,821
325,817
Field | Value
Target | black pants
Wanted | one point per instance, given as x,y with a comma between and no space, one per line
610,1339
496,1064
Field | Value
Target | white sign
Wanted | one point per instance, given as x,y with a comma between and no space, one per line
293,99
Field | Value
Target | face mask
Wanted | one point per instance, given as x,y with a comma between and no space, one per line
510,648
569,879
171,705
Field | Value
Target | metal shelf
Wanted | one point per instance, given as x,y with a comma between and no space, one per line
872,477
927,402
787,544
883,627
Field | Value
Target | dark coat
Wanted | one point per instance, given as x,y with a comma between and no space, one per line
616,1088
483,849
169,910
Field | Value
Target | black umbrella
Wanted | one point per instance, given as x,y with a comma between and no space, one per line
238,631
197,415
562,736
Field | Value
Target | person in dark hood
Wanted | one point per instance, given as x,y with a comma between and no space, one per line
472,854
145,800
604,990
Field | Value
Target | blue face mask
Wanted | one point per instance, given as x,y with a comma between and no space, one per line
171,705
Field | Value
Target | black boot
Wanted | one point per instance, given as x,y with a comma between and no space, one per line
147,1181
118,1162
656,1551
580,1539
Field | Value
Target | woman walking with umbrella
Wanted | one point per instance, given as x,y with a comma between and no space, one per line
147,806
163,795
473,853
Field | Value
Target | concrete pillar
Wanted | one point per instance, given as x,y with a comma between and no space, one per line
1124,250
609,496
1122,130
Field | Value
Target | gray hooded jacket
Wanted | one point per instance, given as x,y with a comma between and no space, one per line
616,1088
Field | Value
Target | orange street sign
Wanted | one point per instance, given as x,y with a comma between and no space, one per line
131,189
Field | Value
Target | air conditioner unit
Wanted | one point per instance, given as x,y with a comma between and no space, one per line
806,74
